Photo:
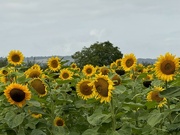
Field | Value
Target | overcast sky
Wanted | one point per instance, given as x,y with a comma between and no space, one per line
146,28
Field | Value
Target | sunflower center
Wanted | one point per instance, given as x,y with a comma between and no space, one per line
116,80
129,62
17,95
89,71
155,97
85,89
15,58
5,72
168,67
65,75
59,123
38,86
54,64
34,74
74,66
102,87
104,71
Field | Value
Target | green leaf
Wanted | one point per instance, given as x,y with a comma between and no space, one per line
151,104
37,132
154,118
9,116
58,131
98,118
170,92
119,89
133,105
92,131
16,120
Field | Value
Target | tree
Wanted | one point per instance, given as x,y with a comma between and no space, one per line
98,54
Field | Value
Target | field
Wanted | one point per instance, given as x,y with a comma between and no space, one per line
123,98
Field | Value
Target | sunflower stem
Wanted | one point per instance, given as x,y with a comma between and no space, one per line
113,116
168,104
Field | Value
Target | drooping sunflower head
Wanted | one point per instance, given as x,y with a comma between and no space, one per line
154,96
84,90
166,67
15,57
17,94
39,86
116,79
33,73
59,122
88,70
104,70
103,87
65,74
54,63
128,62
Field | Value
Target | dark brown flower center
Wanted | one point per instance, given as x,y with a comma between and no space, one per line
59,123
155,97
54,63
168,67
5,72
65,75
129,62
38,86
116,80
102,87
104,71
89,70
85,89
15,58
34,74
17,95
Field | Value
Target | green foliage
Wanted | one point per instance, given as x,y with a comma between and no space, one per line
98,54
3,62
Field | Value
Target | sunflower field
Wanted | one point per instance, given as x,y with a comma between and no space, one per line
123,98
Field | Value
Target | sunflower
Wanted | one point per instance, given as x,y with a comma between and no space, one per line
88,70
128,62
54,63
147,80
84,90
36,66
103,87
118,62
33,73
113,65
17,94
154,96
166,66
15,57
59,122
73,65
116,79
65,74
104,70
40,87
36,115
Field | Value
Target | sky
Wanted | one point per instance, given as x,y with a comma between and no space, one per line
147,28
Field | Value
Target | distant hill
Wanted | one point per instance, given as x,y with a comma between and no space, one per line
44,59
146,60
